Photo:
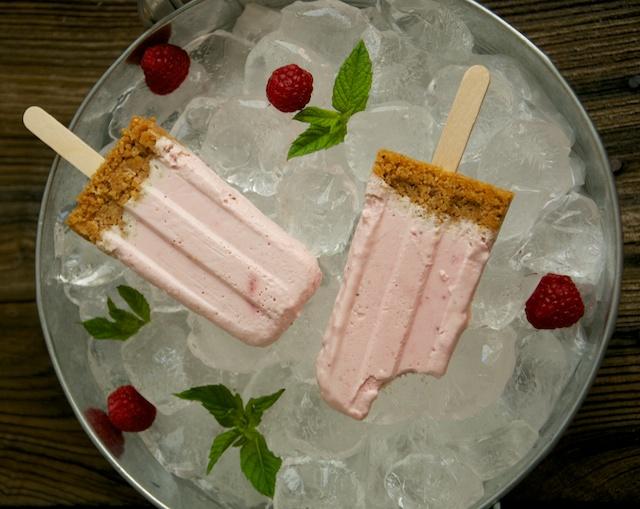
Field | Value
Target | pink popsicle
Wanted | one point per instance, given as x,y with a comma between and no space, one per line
415,260
159,209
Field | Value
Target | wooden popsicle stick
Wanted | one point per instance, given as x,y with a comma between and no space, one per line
462,117
66,144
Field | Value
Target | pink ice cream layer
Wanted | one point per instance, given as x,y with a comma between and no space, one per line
210,248
408,285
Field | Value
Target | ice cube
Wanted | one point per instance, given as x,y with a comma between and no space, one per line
158,362
257,162
305,482
330,28
542,108
273,4
139,100
223,56
530,155
436,479
86,272
192,124
300,344
567,239
510,70
227,483
398,126
318,201
500,105
523,212
400,70
377,19
301,421
105,364
218,349
400,401
538,378
481,365
491,454
578,170
256,21
502,290
181,441
333,266
269,376
433,27
490,442
276,50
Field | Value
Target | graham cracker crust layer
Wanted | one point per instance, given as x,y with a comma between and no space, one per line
119,179
444,193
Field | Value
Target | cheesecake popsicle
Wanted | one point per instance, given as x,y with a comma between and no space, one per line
417,254
159,209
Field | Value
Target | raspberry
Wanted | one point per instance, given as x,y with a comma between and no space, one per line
555,303
110,436
165,67
129,411
289,88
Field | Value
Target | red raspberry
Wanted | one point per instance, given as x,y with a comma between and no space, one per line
110,436
289,88
129,411
165,67
555,303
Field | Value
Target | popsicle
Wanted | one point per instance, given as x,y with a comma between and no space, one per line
162,211
416,257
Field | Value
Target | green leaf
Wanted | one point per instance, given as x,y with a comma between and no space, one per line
127,322
101,328
136,301
220,444
219,401
259,464
257,406
353,82
317,116
240,442
315,138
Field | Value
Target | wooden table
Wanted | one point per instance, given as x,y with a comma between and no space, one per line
51,53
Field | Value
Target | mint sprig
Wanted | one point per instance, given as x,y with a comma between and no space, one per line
350,95
123,324
259,465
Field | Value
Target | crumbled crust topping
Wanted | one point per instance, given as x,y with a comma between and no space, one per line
446,194
119,179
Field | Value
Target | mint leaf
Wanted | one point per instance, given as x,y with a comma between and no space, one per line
124,324
257,406
220,444
315,138
125,321
101,328
136,301
350,95
219,401
317,116
353,82
259,464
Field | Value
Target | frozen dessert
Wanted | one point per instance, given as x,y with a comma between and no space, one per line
416,258
162,211
423,239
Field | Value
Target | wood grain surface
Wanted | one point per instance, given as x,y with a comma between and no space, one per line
51,52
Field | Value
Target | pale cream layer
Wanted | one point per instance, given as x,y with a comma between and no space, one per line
408,285
209,247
